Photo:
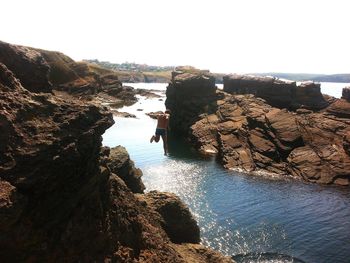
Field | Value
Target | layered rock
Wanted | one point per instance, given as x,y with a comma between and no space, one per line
190,93
250,134
278,93
62,198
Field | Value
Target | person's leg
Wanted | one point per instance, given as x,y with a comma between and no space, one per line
156,138
165,143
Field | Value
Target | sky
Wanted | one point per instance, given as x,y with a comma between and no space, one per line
228,36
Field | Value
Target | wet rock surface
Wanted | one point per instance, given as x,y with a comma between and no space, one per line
249,134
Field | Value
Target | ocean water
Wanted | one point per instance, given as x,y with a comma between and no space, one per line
254,219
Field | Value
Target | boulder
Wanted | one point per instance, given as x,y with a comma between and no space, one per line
340,108
196,253
174,216
118,161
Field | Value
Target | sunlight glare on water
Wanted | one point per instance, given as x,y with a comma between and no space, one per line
253,218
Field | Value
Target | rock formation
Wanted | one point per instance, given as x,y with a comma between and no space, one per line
191,92
276,92
63,198
346,94
258,133
118,161
43,71
174,217
28,65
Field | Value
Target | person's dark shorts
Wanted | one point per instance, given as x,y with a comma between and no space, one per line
160,131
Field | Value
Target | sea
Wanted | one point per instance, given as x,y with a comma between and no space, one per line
250,218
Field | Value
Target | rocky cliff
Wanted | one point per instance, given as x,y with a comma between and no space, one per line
28,65
46,71
63,198
265,125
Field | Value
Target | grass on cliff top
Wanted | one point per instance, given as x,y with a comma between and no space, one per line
166,75
99,70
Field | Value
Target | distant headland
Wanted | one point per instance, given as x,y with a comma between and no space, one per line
132,72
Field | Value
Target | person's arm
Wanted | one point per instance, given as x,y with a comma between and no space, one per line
167,122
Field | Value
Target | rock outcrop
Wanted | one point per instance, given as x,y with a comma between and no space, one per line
174,217
276,92
190,93
44,71
346,94
249,134
28,65
118,161
62,198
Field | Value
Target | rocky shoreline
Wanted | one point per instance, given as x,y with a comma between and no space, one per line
264,125
64,197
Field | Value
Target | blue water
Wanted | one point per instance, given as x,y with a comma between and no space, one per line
239,214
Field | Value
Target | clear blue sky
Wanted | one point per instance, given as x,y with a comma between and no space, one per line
220,35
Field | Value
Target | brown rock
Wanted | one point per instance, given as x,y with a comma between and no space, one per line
346,142
175,217
251,135
308,95
346,94
28,65
59,200
119,163
196,253
276,92
189,94
340,108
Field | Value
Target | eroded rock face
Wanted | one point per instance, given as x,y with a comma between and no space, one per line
28,65
251,135
59,198
118,161
277,93
174,216
190,93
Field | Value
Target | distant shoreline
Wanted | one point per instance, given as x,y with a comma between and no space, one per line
134,73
